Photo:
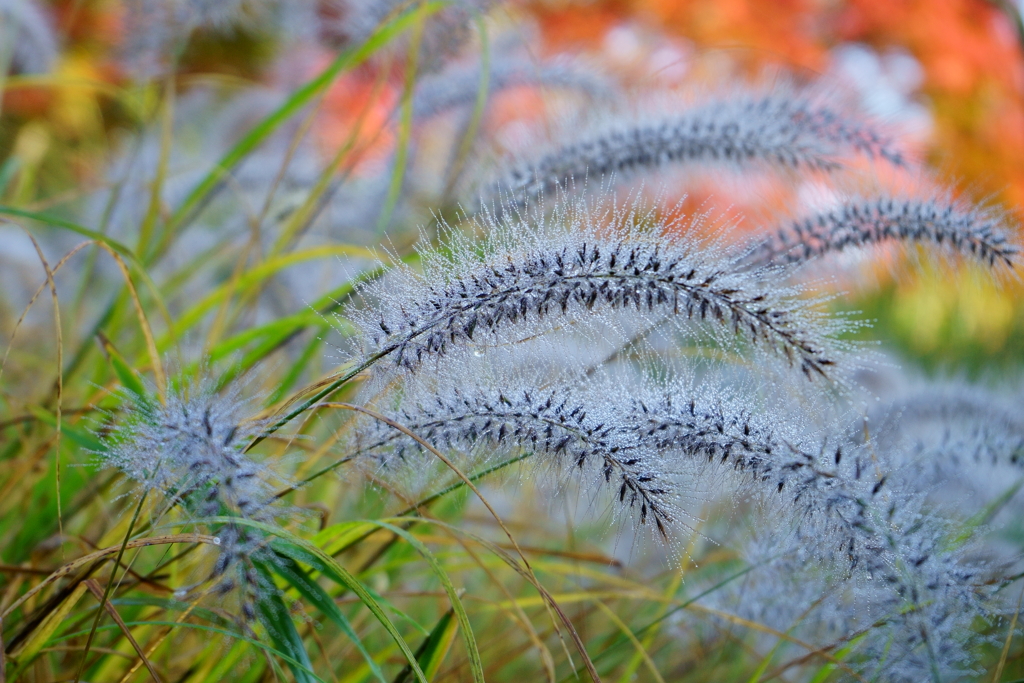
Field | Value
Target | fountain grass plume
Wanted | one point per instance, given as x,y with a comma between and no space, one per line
942,221
579,264
908,565
566,429
191,449
841,512
785,129
908,613
963,442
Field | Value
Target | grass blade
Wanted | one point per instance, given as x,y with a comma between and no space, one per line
433,649
283,634
304,551
289,570
346,60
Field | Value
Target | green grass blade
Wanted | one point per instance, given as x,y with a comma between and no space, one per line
297,368
825,671
80,437
200,627
433,649
300,98
120,248
405,124
301,556
289,570
283,634
469,639
330,568
125,373
256,276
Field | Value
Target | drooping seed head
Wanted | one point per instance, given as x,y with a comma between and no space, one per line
784,130
578,266
950,225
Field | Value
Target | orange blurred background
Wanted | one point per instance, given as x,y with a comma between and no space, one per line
957,67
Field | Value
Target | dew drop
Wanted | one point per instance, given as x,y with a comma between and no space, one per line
478,353
216,540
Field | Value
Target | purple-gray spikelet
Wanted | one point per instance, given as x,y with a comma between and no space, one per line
192,450
954,225
790,131
577,265
576,431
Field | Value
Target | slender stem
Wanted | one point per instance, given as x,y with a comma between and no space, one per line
110,583
318,396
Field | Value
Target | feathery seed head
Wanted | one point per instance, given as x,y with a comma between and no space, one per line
782,130
949,224
574,431
576,265
192,447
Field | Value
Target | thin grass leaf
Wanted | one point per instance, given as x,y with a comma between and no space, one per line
73,227
431,652
475,662
254,277
281,628
405,124
79,436
109,586
200,627
339,537
825,671
305,558
125,373
298,99
70,567
299,366
22,656
289,570
327,565
641,651
94,588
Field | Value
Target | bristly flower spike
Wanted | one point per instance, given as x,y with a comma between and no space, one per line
948,224
786,130
192,449
572,431
577,264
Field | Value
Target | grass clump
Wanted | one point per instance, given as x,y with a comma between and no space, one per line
398,403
